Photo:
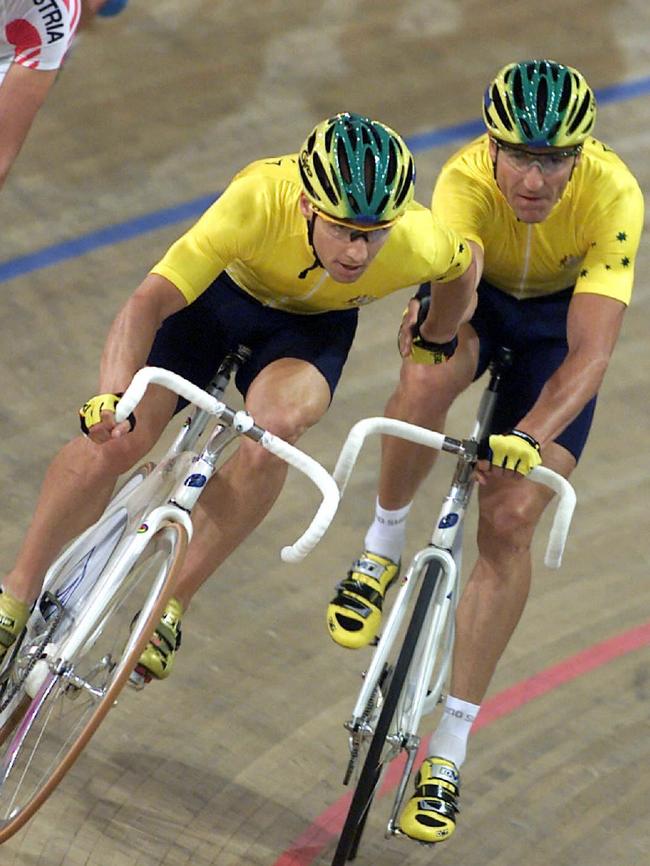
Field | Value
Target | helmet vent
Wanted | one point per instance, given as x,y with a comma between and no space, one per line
353,203
406,183
324,180
383,203
566,93
369,174
542,102
526,128
518,89
376,136
343,161
352,134
580,116
500,109
391,168
305,182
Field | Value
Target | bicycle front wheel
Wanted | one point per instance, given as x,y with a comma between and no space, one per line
67,584
385,743
72,695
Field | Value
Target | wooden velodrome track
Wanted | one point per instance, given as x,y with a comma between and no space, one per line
239,758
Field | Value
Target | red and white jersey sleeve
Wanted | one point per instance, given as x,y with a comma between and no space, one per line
36,33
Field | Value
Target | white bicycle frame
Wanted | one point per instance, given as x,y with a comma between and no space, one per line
433,650
168,495
420,695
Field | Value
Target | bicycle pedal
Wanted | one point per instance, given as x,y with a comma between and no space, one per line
139,678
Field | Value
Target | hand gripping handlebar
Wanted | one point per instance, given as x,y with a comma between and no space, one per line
404,430
292,455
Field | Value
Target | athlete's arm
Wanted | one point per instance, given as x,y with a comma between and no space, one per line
593,325
452,304
129,341
22,93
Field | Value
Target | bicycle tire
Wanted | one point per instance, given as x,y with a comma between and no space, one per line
64,713
69,579
374,764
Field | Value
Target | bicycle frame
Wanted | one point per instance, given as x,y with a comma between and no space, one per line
172,490
105,593
434,571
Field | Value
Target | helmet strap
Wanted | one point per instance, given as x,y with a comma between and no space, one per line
310,238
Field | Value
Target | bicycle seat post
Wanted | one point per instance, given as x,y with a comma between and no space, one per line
197,420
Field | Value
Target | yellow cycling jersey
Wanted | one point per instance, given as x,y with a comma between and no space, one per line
257,234
589,240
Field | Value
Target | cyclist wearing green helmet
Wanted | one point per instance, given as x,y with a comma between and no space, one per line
558,217
539,103
354,169
356,174
281,262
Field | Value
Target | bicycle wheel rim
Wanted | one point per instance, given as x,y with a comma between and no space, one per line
63,714
69,580
375,761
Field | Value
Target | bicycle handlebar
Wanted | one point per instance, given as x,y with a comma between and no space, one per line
413,433
289,453
173,382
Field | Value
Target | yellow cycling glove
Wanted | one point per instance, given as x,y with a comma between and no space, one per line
515,450
91,411
423,351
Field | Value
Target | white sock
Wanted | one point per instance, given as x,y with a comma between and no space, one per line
450,737
387,533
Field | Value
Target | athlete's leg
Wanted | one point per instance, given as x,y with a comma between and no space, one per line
497,589
287,397
422,396
76,488
488,612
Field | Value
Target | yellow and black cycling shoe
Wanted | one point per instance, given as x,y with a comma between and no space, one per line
157,659
430,814
13,618
354,614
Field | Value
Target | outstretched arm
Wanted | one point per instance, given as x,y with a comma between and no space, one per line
22,93
451,304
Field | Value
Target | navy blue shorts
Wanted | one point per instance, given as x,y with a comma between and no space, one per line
194,341
535,331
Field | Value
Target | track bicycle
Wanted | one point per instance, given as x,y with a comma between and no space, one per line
103,597
404,683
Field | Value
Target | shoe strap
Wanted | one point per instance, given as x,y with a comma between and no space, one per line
369,568
170,638
437,802
7,638
439,771
358,587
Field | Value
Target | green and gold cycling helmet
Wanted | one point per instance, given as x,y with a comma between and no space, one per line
356,170
539,103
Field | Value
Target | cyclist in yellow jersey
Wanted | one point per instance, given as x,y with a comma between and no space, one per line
281,262
558,217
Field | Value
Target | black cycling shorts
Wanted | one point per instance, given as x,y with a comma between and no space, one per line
194,341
